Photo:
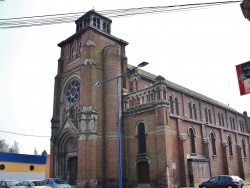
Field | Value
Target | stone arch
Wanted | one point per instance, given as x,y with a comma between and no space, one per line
67,151
136,128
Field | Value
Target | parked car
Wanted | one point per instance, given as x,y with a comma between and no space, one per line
9,183
222,181
56,183
240,180
33,184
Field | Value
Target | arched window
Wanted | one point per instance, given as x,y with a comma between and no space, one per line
230,144
141,138
192,140
212,136
244,148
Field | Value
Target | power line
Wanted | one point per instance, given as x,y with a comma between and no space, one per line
70,17
22,134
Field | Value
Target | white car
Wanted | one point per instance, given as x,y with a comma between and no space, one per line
9,183
32,184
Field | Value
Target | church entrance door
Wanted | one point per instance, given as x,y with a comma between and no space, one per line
72,170
143,172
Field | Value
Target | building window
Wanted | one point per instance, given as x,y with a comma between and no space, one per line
212,136
78,47
190,110
171,101
72,92
230,144
177,105
96,22
241,123
232,122
141,138
164,94
192,140
208,115
244,148
195,111
106,27
86,21
174,105
221,119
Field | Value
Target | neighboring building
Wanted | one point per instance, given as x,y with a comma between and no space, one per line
23,167
170,134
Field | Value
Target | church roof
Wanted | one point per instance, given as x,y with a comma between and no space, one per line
185,90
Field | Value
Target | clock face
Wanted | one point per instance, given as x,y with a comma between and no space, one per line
72,92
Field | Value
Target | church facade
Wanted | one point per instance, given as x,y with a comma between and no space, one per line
170,135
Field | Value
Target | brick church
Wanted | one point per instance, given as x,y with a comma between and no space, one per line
170,135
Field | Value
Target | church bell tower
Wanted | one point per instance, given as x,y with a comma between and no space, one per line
84,133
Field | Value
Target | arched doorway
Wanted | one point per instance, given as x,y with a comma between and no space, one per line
143,172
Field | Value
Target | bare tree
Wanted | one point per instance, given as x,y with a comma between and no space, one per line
14,148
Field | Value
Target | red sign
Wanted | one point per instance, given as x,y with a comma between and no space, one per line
243,74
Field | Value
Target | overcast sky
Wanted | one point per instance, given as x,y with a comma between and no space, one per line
197,49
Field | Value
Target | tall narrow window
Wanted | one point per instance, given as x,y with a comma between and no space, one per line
234,124
240,125
190,110
244,148
210,116
158,94
219,119
164,94
231,122
195,111
222,120
78,47
171,101
177,105
71,50
192,140
230,144
141,138
242,129
212,136
206,115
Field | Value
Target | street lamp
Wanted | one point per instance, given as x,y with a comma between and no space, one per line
209,161
118,120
